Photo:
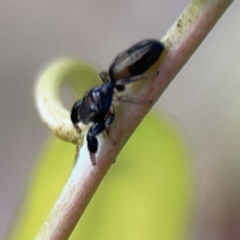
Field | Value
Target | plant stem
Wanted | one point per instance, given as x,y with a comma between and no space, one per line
181,41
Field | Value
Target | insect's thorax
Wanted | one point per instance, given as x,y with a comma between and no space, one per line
96,104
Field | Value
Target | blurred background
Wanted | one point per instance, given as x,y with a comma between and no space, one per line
202,102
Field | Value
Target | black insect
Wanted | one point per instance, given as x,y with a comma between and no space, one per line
96,106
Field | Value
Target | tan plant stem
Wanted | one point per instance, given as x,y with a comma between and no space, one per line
181,41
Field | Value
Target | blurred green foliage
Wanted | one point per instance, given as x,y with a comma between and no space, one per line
145,195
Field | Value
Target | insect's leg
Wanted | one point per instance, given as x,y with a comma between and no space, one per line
92,141
132,100
127,80
104,76
108,121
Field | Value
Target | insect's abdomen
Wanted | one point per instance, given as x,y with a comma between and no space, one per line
136,60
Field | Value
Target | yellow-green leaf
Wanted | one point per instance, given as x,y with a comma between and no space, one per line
145,194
